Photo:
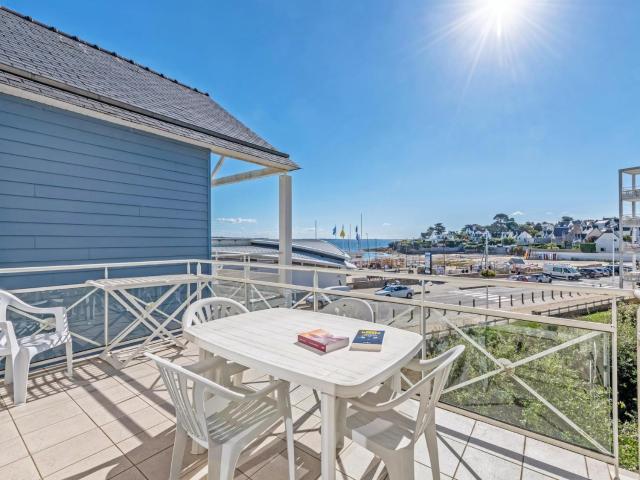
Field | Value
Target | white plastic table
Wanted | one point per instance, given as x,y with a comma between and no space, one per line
266,340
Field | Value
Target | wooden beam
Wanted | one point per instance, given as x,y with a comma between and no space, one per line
217,168
250,175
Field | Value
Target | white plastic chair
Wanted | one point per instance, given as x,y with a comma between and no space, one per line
350,307
20,351
383,423
207,310
222,419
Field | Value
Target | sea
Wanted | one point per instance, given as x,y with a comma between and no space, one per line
355,246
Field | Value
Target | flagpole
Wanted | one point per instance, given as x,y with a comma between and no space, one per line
361,233
349,238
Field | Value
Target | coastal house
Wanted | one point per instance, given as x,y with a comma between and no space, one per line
524,238
608,242
106,160
592,234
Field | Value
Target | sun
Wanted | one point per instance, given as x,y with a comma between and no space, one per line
499,15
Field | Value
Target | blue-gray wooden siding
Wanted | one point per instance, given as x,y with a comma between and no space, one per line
79,190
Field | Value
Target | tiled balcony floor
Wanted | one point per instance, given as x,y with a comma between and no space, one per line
118,424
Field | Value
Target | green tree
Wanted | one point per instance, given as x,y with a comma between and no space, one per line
439,228
501,218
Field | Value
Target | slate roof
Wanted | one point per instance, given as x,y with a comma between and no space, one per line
38,58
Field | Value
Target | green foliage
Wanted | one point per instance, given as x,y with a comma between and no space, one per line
629,445
488,273
588,247
503,398
627,378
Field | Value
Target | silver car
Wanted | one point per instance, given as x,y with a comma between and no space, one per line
401,291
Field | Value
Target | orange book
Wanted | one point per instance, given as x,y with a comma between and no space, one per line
322,340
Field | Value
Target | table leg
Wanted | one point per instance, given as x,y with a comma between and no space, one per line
328,453
396,383
195,448
341,417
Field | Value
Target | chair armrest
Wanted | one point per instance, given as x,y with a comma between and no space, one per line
418,365
263,392
60,313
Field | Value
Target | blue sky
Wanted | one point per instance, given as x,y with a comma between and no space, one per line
393,109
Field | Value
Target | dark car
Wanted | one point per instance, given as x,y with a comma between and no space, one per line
589,272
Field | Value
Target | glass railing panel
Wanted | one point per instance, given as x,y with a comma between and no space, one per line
549,379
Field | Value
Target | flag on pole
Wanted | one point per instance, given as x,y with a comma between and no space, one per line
335,229
342,232
357,235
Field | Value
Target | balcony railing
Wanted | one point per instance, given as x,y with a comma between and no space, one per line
548,377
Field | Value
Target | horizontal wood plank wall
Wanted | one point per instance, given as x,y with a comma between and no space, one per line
78,190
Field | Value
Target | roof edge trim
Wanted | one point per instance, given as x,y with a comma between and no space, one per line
115,103
52,102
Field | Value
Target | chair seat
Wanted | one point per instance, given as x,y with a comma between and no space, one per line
41,342
237,420
389,430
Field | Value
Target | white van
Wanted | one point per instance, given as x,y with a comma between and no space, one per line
559,270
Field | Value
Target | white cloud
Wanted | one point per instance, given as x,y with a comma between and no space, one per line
548,213
517,213
386,224
236,220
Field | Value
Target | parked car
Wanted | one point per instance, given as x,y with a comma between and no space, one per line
519,278
603,271
539,277
588,272
612,268
563,271
401,291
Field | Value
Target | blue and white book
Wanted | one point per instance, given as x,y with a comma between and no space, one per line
368,340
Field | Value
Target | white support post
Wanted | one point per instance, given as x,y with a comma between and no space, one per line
614,383
285,232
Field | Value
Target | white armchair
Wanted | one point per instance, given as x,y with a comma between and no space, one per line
20,351
210,309
222,419
350,307
381,422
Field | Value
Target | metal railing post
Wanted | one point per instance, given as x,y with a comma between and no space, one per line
199,273
423,322
106,311
246,287
188,284
315,290
532,297
614,382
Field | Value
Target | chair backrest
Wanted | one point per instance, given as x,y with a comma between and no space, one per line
187,391
209,309
430,388
10,300
350,307
8,341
